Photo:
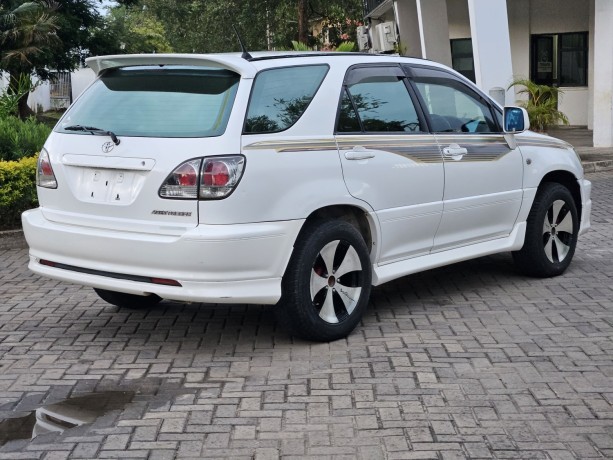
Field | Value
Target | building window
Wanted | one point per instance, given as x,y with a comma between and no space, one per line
559,59
462,57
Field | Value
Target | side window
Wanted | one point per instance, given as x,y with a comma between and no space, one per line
348,121
381,99
280,96
453,106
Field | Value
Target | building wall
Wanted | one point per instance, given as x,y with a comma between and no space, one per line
459,21
81,79
531,17
519,32
574,104
527,18
557,16
590,68
39,100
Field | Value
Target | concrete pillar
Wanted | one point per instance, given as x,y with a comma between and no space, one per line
434,30
590,69
519,31
603,74
489,26
405,13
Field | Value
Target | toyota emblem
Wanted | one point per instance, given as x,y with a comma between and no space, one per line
108,146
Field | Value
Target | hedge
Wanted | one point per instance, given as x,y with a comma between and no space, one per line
17,190
19,139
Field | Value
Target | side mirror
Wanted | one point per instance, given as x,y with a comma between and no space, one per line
516,120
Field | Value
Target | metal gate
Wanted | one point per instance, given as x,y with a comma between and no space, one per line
60,90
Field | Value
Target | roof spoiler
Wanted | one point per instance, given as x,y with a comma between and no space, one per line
232,62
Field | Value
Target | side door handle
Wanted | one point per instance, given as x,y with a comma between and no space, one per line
359,153
455,152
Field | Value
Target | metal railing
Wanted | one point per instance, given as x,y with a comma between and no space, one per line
370,5
60,90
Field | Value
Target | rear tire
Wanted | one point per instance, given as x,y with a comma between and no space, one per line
551,233
326,286
123,300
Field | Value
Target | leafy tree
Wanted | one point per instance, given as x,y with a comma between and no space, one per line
130,30
26,28
42,36
205,25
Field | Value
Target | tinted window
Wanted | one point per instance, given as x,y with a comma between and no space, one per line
560,59
573,59
157,102
382,101
280,96
348,118
462,57
453,106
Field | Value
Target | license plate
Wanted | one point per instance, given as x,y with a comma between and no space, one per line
109,186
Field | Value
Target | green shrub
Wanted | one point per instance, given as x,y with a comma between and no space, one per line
346,47
17,190
9,100
542,104
19,139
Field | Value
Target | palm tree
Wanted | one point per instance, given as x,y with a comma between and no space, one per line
27,28
542,105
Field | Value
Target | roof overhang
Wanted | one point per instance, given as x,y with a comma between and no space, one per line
381,9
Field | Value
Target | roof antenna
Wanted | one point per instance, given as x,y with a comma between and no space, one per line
245,54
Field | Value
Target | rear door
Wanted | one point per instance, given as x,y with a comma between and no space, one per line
165,119
483,175
389,159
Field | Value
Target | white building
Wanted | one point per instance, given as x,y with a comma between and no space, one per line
57,93
566,43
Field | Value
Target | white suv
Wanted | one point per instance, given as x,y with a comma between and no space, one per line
302,178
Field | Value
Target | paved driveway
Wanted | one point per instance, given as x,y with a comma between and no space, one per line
468,361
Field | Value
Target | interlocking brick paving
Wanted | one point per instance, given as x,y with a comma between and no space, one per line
467,361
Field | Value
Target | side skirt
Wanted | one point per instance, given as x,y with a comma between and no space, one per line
388,272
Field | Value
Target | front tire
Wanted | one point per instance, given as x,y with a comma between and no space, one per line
123,300
326,286
551,233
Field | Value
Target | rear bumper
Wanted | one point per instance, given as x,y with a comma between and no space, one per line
240,263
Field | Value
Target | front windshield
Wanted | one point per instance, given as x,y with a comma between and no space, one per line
169,101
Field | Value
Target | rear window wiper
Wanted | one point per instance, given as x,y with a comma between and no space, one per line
94,131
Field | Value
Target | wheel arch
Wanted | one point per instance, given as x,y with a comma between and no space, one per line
568,180
358,217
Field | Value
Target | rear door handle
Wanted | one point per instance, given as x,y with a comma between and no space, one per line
359,154
455,152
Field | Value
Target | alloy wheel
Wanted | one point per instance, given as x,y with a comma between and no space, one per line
557,231
336,281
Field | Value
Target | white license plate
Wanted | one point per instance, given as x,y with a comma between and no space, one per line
109,185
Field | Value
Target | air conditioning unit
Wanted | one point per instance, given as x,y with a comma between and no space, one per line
363,39
386,36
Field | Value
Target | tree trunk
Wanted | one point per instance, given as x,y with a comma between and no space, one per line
23,110
303,36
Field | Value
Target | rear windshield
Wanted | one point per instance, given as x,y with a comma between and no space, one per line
156,102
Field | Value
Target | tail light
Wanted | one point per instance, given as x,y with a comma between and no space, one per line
183,181
220,175
45,176
211,178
